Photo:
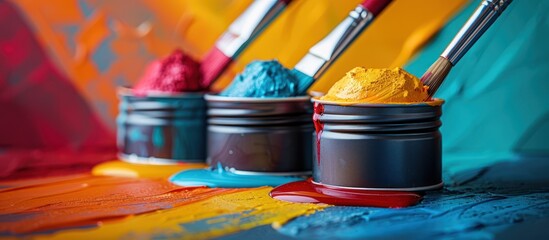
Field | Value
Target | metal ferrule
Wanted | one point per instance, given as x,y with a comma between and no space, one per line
248,26
477,24
324,53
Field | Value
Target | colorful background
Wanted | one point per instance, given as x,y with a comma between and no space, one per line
61,61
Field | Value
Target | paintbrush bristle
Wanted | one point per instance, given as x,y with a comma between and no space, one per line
212,66
434,76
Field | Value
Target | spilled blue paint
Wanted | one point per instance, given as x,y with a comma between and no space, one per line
219,177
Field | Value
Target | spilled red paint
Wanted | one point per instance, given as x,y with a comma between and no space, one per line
311,192
319,127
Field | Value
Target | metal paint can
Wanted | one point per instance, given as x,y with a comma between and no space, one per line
379,146
260,135
161,128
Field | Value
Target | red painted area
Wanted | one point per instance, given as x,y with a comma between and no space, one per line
310,192
41,113
176,73
375,6
319,127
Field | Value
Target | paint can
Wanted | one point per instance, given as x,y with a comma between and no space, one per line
378,146
161,128
260,135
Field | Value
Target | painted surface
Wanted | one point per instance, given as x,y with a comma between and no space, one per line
88,200
213,217
476,204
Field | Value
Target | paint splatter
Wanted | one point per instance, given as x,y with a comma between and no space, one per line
88,200
216,216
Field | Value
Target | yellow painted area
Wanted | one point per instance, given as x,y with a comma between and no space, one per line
377,85
221,215
125,169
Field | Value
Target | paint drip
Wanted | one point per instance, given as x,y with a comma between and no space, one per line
311,192
319,127
220,177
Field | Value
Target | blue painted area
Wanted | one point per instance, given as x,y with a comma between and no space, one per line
70,32
263,79
87,10
218,222
121,81
497,94
265,232
104,56
219,177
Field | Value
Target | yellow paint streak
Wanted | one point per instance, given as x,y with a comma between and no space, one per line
222,215
124,169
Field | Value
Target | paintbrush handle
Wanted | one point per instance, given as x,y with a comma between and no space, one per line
478,23
325,52
376,6
248,25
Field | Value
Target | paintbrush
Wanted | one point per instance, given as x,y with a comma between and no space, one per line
478,23
325,52
239,35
